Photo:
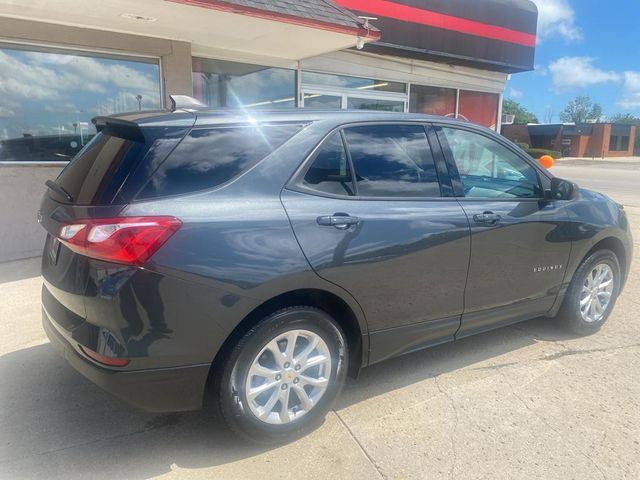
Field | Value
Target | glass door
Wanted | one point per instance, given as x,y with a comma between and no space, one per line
330,91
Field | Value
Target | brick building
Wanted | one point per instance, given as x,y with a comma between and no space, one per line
581,140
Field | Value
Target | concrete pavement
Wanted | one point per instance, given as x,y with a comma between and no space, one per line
527,401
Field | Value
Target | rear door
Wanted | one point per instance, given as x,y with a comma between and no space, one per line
373,213
518,256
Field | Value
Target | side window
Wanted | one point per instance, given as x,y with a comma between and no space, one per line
392,161
487,169
330,171
211,156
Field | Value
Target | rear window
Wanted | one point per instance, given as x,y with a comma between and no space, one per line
209,157
111,169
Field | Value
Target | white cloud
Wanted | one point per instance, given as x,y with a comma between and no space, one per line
556,18
47,76
570,73
514,93
631,91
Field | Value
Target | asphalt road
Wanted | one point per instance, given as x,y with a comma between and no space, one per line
527,401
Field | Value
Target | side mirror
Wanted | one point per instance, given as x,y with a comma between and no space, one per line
546,161
562,189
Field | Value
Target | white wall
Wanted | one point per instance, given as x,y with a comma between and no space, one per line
21,189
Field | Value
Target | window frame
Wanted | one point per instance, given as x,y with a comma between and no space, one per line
312,158
544,177
296,183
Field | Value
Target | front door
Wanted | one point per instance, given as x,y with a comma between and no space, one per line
518,256
372,220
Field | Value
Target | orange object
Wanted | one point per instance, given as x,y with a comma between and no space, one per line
546,161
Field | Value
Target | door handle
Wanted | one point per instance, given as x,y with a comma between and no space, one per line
341,221
488,218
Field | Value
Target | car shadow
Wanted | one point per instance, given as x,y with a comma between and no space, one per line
58,424
16,270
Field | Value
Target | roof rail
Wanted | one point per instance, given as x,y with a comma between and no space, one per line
185,102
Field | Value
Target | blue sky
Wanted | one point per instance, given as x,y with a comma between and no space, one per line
585,47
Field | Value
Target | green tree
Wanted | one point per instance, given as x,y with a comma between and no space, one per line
522,115
581,110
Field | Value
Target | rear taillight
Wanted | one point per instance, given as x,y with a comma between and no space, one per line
128,240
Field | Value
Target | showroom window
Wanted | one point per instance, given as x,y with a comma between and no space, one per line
356,83
219,83
48,98
479,107
432,100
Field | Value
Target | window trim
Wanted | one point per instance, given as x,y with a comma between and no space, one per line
295,182
455,175
308,162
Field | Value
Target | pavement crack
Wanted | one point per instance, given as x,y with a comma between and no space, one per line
550,426
452,435
364,450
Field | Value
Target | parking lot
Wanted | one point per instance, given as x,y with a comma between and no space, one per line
526,401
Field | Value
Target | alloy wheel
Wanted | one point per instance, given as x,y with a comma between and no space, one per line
596,293
288,377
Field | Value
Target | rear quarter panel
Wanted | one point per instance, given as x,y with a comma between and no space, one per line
236,242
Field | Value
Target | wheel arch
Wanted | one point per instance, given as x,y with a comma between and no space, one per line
617,247
329,302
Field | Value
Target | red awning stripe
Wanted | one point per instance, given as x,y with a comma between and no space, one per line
405,13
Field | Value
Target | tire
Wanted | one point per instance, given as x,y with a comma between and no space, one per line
256,417
571,313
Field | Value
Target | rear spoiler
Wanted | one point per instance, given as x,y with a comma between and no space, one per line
119,128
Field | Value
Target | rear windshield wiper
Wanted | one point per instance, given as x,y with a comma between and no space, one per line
58,189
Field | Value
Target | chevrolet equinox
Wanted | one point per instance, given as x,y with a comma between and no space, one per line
257,258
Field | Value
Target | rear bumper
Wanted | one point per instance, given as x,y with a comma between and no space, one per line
157,390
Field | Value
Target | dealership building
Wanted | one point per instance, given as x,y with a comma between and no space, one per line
64,62
596,140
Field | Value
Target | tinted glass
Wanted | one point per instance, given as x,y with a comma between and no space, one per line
375,104
48,98
488,169
329,171
392,161
209,157
219,83
109,168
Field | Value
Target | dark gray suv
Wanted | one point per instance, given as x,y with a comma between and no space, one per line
257,258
